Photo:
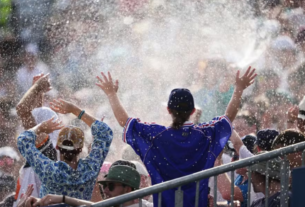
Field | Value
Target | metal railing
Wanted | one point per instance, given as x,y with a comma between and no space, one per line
213,172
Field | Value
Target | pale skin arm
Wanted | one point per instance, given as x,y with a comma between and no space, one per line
110,89
236,141
240,85
56,199
32,99
65,107
224,184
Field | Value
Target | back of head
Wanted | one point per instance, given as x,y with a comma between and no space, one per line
288,137
249,141
43,114
181,106
265,138
70,142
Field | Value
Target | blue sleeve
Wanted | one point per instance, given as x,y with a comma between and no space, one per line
102,138
38,161
140,135
219,131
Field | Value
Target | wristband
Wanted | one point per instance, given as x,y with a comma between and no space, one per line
81,114
63,199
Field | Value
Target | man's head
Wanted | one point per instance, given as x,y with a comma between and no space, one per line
259,170
286,138
120,180
70,142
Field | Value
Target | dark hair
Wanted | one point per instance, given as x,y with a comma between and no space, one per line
179,117
69,154
288,137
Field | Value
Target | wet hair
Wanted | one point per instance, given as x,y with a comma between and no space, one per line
288,137
69,154
179,117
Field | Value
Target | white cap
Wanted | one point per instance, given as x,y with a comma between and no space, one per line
140,168
301,114
9,152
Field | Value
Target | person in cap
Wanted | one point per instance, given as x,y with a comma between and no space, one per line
182,148
243,148
70,176
121,179
258,180
8,157
297,114
287,138
265,139
31,112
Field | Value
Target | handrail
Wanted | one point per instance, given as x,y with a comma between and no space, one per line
200,175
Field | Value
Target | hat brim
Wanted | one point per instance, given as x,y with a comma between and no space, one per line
117,181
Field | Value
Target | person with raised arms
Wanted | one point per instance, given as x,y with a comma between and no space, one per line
182,148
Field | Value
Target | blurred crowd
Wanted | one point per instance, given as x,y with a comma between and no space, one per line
64,38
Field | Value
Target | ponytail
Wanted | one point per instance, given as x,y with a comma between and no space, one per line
179,117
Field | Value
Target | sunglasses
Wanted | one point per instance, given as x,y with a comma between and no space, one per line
111,186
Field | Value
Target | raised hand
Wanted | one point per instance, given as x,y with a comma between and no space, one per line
62,106
107,85
43,83
49,126
25,196
246,80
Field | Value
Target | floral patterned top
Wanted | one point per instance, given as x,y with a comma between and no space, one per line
58,177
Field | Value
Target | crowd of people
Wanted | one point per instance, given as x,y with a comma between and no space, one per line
61,136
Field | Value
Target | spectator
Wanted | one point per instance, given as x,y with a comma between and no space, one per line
8,156
258,180
31,112
265,138
32,66
179,150
244,148
286,138
70,176
115,184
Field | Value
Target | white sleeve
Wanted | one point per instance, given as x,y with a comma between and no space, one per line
244,152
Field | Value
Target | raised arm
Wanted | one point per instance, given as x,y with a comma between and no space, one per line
236,141
65,107
32,99
110,89
241,84
292,116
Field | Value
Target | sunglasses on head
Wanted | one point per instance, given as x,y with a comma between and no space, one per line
111,186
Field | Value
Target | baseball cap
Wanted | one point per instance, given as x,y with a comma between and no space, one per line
265,138
249,141
274,167
301,114
70,136
123,174
181,99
